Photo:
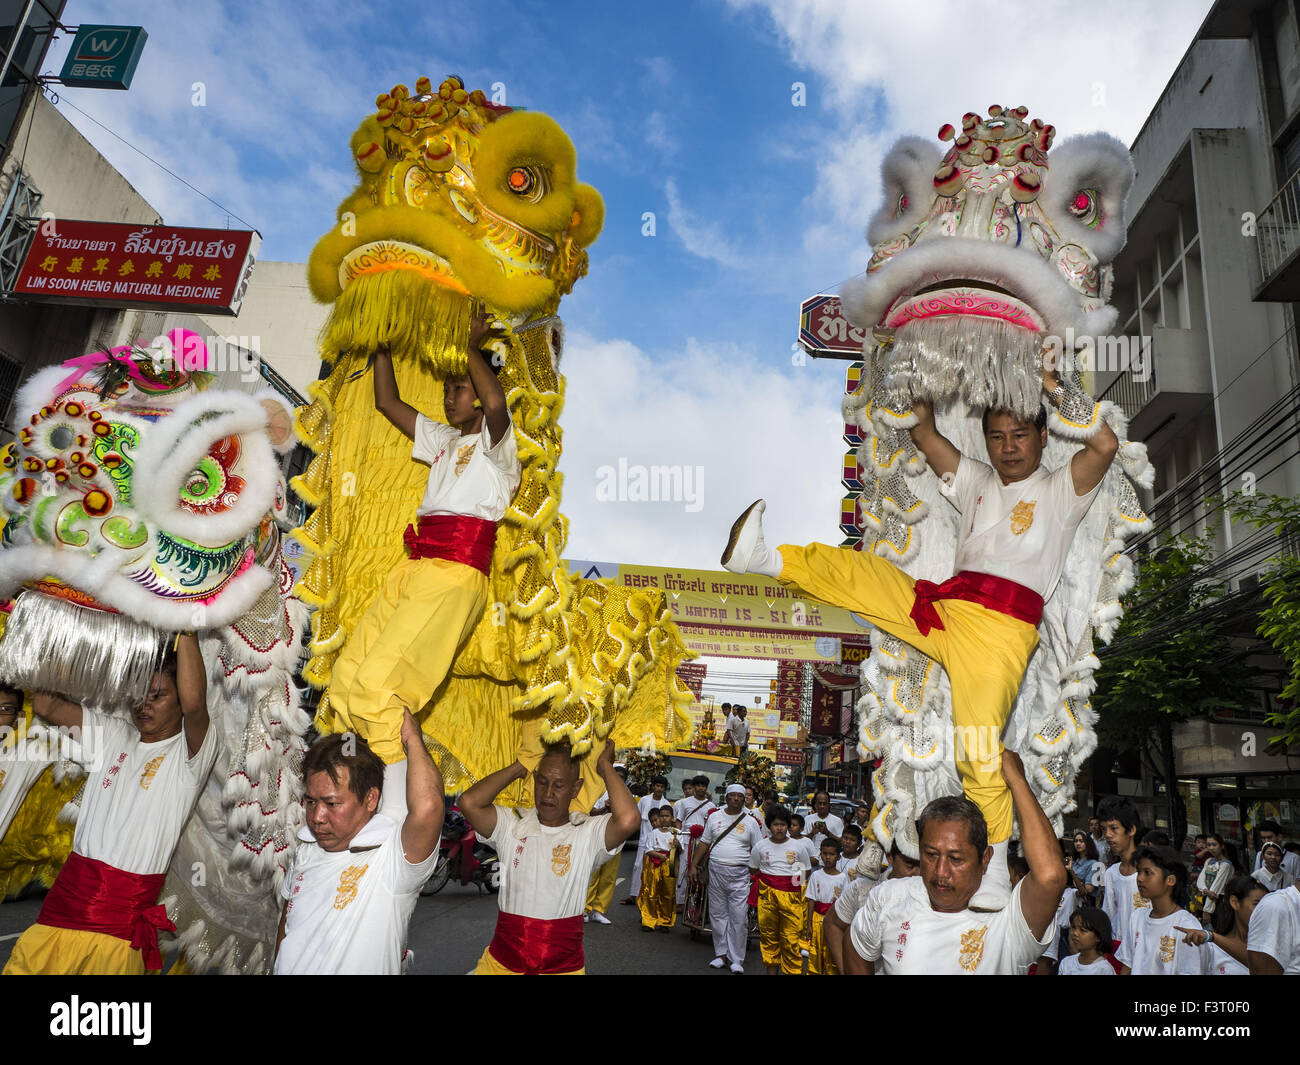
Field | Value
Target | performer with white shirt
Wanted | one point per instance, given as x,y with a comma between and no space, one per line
925,924
653,801
729,836
1017,523
1273,938
356,875
840,916
547,856
779,883
693,813
401,649
821,822
738,729
102,914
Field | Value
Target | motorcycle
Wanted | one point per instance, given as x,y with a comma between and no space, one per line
463,855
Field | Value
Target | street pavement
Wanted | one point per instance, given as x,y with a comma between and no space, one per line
450,930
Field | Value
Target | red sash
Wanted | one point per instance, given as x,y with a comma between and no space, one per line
995,593
91,896
534,947
822,907
776,883
453,537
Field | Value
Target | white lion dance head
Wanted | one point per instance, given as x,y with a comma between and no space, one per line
979,257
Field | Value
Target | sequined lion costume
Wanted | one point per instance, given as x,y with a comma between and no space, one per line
980,254
460,199
142,499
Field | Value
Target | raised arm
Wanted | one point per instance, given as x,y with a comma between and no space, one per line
1091,462
192,690
625,818
56,710
424,802
1041,890
476,802
496,416
938,450
388,401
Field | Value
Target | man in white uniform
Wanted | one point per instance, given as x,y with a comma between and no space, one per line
146,772
925,925
1273,939
547,856
351,889
653,801
738,728
1017,523
821,822
692,813
729,836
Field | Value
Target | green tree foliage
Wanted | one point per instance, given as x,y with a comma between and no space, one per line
1279,621
1169,660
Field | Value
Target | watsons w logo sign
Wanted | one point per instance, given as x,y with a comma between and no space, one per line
103,57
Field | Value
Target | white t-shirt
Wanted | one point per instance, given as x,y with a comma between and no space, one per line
1157,947
1290,862
1215,961
1274,881
826,887
1121,901
24,760
899,930
854,895
138,795
1275,928
834,827
660,839
644,805
1019,531
1064,911
693,811
545,871
734,848
347,912
468,475
1072,966
807,852
738,729
777,859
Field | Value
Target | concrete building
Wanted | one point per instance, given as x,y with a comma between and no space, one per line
1208,279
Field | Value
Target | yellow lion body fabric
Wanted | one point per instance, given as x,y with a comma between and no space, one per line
462,200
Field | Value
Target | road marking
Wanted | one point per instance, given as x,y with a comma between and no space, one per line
15,935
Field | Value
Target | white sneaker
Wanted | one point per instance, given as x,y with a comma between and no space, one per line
717,963
600,918
995,889
586,917
736,967
746,551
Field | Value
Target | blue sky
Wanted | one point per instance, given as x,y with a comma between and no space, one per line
679,347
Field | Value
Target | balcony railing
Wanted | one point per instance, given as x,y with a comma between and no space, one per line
1130,394
1277,237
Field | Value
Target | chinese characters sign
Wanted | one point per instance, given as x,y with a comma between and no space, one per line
103,57
125,265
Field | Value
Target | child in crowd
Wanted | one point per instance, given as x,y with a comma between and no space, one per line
1223,947
1157,946
1091,944
805,845
850,848
1018,869
824,886
779,886
1214,875
1121,898
1270,872
657,898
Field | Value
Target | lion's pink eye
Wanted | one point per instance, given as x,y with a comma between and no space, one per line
902,203
1086,207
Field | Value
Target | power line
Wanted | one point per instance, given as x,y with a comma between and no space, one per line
160,166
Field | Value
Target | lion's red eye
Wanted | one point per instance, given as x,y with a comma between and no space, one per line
520,179
1086,207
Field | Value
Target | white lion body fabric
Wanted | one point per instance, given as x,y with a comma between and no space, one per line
982,257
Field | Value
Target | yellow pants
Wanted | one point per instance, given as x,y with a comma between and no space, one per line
819,955
402,648
983,651
657,898
600,894
489,966
780,923
46,951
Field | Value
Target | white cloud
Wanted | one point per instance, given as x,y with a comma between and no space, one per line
699,237
657,135
754,431
660,68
